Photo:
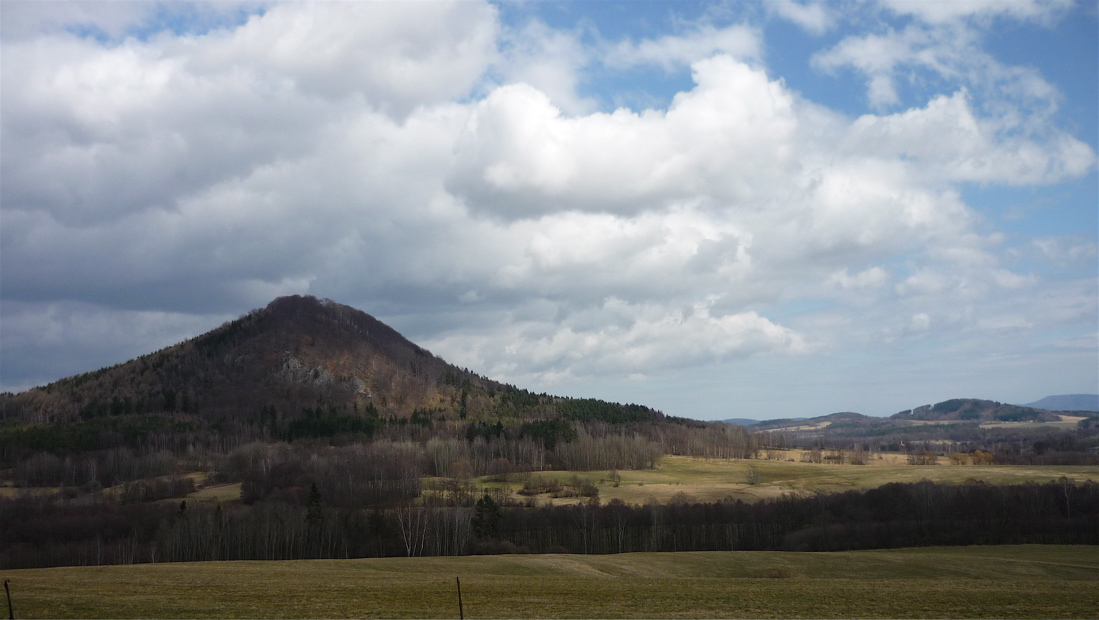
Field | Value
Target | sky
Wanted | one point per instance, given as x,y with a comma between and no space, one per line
718,209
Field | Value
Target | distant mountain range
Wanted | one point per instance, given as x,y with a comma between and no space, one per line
955,420
952,410
1068,402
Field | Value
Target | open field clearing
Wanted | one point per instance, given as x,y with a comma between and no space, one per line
1068,422
968,582
218,492
716,479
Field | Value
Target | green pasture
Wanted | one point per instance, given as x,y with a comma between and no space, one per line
969,582
718,479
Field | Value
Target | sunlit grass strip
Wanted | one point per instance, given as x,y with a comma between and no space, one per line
718,479
970,582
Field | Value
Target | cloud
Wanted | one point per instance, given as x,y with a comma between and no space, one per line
619,338
815,18
869,278
1067,251
669,52
549,61
920,322
945,48
46,341
393,56
27,18
448,173
979,150
521,157
1042,11
734,192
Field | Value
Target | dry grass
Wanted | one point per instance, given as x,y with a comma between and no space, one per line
1067,422
7,487
219,492
971,582
718,479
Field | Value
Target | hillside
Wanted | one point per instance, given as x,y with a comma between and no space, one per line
297,352
300,366
975,410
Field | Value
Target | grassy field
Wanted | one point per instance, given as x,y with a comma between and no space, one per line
969,582
717,479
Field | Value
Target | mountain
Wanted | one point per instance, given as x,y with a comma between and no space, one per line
300,357
1068,402
976,410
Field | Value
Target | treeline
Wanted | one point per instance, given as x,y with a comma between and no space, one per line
895,515
91,470
105,456
48,531
139,432
382,466
547,420
483,449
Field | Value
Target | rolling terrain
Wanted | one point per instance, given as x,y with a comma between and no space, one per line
972,582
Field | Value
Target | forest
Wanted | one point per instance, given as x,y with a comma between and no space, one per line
114,489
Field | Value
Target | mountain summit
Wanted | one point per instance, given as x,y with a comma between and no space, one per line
297,354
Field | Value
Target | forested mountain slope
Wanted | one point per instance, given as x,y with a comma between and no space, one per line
297,352
299,367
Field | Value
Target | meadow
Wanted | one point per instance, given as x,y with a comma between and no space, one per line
712,480
967,582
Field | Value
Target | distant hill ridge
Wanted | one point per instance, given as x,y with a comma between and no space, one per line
975,410
1068,402
953,410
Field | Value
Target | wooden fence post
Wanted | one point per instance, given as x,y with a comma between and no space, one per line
461,612
11,614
